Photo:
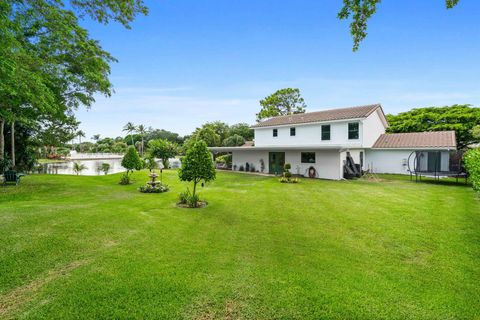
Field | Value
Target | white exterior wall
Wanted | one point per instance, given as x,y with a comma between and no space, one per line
395,161
308,135
327,162
373,128
241,157
388,161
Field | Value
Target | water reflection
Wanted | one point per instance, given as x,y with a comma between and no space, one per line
93,167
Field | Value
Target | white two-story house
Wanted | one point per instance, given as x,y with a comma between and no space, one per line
317,144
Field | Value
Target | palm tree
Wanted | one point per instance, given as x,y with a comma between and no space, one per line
141,130
78,167
130,128
80,135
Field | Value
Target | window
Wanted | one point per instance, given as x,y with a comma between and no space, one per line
275,132
292,132
308,157
353,130
326,132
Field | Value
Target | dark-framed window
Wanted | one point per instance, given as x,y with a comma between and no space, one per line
292,132
326,132
308,157
353,130
275,132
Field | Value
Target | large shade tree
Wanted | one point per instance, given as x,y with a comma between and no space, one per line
48,63
461,118
282,102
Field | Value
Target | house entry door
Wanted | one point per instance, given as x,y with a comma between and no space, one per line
276,162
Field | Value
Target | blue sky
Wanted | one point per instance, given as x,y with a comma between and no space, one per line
189,62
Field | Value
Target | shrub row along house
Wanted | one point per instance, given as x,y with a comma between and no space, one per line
322,144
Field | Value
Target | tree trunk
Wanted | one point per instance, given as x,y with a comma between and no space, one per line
2,140
13,144
194,186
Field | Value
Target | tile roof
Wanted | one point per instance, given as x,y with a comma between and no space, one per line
318,116
433,139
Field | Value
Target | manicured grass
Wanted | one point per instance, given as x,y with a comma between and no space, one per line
86,247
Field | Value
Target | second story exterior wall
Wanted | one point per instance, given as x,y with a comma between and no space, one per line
309,135
374,128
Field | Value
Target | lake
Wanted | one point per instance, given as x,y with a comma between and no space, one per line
93,167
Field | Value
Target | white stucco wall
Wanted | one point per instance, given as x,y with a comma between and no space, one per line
308,135
240,158
327,162
395,161
373,128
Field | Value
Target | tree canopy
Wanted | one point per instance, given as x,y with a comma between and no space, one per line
282,102
197,165
163,149
131,160
362,10
461,118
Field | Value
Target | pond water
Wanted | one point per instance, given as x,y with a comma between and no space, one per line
93,167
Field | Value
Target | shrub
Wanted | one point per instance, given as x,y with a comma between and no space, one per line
184,196
158,188
287,174
472,164
289,180
287,166
193,201
125,179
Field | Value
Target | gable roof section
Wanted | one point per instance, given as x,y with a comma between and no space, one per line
433,139
320,116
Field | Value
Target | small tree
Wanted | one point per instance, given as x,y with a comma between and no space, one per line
78,167
163,149
131,160
197,165
105,167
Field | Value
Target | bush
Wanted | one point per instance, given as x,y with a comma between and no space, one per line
287,174
472,164
105,167
184,196
159,188
190,200
287,166
125,179
289,180
131,160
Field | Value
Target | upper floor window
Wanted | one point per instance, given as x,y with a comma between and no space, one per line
292,132
308,157
326,132
353,130
275,132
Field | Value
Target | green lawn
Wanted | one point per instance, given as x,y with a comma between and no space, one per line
86,247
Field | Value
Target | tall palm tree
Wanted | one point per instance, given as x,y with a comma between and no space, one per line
130,128
141,130
80,135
